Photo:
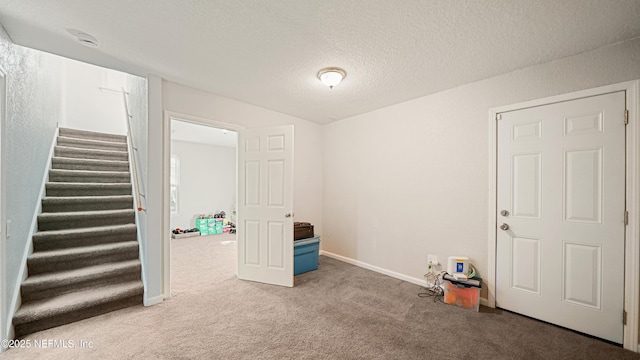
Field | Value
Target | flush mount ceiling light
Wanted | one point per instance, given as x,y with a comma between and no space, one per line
331,76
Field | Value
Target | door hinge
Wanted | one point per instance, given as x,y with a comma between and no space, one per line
498,116
624,317
626,117
626,217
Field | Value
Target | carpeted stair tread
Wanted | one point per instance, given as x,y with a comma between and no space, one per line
67,238
71,258
71,152
84,219
90,144
85,134
66,303
88,164
50,284
86,203
87,176
87,189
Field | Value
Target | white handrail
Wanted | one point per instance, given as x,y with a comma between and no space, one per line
134,166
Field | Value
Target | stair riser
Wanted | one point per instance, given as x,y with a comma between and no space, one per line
77,315
86,205
88,154
83,178
88,166
35,293
82,222
41,266
89,191
90,135
84,144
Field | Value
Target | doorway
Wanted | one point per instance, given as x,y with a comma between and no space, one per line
568,184
202,204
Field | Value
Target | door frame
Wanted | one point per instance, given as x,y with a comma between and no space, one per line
166,161
632,231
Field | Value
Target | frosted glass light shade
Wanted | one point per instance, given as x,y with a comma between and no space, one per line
331,76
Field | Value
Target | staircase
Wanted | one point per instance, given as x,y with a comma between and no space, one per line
85,254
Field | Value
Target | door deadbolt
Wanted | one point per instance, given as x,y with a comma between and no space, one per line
288,215
504,227
504,213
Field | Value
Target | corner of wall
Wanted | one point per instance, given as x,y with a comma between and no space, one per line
157,222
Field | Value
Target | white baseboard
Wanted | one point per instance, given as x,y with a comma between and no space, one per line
393,274
152,301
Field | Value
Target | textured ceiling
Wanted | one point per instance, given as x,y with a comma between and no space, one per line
267,53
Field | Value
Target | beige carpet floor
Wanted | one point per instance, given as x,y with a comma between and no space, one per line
201,262
337,312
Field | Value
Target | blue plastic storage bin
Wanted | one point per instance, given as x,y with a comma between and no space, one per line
305,255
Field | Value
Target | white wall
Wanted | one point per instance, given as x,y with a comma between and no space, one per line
207,183
307,197
138,100
152,180
90,98
33,109
172,97
411,179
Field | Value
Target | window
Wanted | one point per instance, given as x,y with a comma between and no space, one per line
174,181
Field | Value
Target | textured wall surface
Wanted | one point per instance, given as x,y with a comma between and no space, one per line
33,110
138,109
137,100
207,181
411,179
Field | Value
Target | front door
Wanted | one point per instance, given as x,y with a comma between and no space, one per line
561,206
265,204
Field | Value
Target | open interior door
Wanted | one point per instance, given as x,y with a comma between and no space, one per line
265,204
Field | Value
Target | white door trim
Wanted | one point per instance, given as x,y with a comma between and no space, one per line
632,231
166,159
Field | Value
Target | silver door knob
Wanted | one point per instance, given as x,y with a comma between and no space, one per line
288,215
504,227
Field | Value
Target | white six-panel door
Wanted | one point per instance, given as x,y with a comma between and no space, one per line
265,204
561,203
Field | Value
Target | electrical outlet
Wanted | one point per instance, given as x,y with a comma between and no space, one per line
432,259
